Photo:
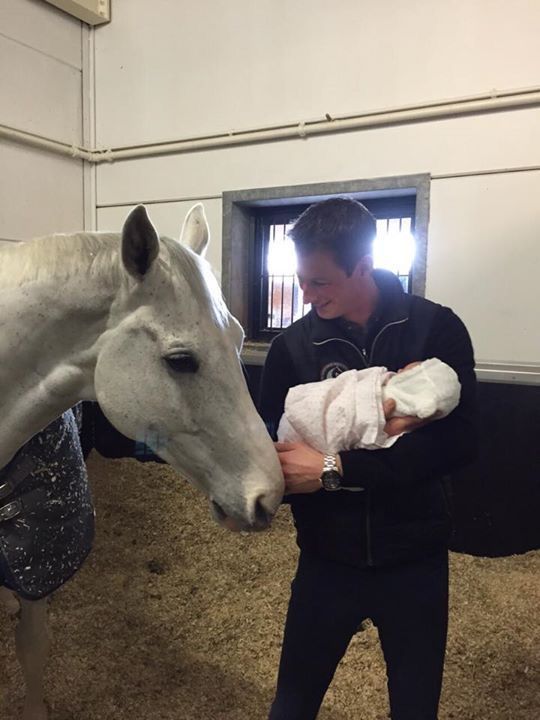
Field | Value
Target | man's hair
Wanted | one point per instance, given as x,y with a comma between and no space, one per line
341,226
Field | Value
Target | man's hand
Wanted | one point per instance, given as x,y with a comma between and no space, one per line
398,425
302,467
405,424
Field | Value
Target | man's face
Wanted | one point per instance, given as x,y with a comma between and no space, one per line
328,288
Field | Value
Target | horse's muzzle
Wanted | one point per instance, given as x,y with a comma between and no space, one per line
260,520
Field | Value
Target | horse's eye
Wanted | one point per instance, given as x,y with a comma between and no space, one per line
182,362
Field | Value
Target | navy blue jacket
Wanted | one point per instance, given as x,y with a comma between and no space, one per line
398,510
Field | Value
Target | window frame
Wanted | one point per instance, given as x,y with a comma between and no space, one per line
258,294
241,209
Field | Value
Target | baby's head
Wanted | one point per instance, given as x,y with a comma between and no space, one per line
410,366
431,390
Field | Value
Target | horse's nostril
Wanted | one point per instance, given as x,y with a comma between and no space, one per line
262,516
220,513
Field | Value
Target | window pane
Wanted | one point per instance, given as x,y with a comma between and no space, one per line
281,258
284,295
406,224
393,249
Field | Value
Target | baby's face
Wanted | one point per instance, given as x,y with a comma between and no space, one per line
410,366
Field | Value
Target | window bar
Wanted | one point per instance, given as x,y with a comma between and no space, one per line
281,301
263,312
282,283
263,284
400,269
271,249
270,300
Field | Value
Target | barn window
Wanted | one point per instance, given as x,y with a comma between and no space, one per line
259,274
276,299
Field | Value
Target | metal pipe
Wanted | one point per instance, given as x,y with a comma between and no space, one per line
491,171
322,127
44,143
89,128
479,104
161,201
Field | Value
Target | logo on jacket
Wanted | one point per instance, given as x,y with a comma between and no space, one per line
332,370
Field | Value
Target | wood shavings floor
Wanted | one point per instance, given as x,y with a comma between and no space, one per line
173,618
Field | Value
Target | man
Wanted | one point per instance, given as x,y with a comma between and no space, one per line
372,526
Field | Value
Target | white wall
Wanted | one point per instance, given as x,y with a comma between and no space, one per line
40,92
195,68
484,261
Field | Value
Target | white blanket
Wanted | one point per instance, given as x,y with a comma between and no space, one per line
346,412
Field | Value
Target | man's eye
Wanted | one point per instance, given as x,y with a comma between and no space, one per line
182,362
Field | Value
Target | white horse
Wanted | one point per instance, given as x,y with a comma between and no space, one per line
138,323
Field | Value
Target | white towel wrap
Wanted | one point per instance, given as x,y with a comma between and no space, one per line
346,412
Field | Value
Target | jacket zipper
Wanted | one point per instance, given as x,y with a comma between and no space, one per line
361,352
367,362
378,335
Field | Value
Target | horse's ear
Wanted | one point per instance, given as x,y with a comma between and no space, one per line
195,231
140,242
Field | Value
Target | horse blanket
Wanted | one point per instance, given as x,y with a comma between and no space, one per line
46,511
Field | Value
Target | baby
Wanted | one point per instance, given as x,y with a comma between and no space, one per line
347,412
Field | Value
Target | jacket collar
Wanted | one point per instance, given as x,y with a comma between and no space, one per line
393,307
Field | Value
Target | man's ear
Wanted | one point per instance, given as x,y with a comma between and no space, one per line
364,266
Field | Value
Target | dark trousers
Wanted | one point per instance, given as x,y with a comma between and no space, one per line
409,605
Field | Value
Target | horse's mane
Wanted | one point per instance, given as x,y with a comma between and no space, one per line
97,255
61,257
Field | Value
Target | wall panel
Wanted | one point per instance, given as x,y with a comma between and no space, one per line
41,193
42,27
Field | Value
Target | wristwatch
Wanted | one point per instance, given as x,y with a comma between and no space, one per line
330,476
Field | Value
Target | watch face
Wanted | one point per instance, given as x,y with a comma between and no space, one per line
331,480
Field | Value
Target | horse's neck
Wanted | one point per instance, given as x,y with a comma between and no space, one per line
47,355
